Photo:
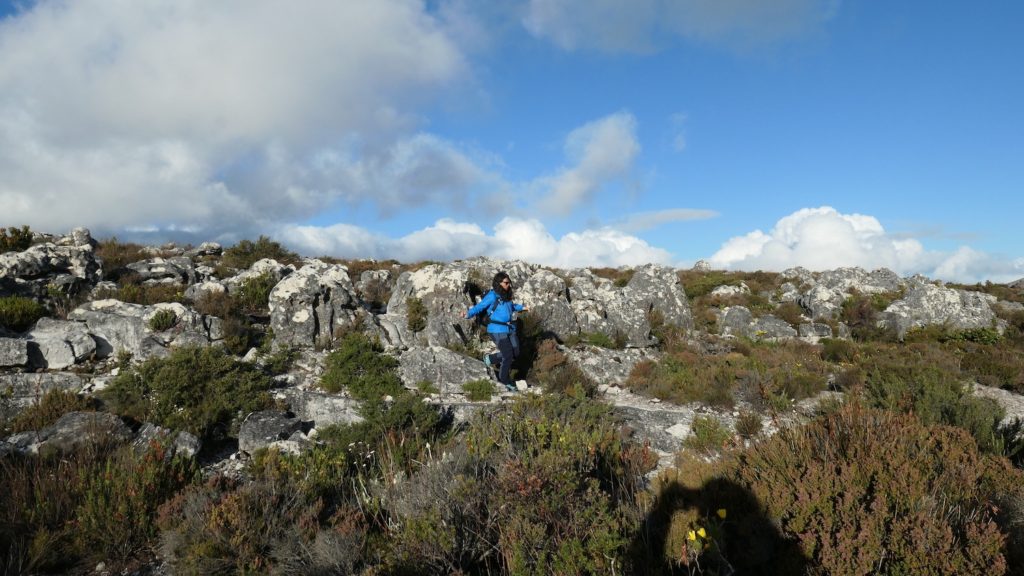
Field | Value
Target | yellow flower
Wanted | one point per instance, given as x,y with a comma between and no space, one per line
691,535
702,533
721,513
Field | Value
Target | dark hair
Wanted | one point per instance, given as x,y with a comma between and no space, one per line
504,293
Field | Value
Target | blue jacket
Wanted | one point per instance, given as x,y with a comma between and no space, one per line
501,316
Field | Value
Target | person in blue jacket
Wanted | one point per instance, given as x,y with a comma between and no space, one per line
499,307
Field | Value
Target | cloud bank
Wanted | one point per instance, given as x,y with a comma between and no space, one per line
822,238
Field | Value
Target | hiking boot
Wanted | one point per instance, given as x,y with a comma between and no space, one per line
487,361
511,388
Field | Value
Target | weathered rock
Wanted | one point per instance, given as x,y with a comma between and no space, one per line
59,344
739,321
37,266
311,304
374,289
701,266
198,290
174,443
445,369
549,294
608,367
265,266
179,270
815,330
76,429
118,326
13,352
321,408
205,249
27,389
262,428
726,291
1017,284
927,304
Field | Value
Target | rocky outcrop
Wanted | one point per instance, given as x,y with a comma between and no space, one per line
26,389
928,304
444,369
59,344
68,264
260,429
72,431
121,327
608,367
174,443
321,408
739,321
312,304
13,352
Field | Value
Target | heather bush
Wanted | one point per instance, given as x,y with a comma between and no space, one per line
696,283
867,491
48,409
547,485
201,390
996,366
15,239
555,372
619,276
359,365
707,435
688,376
254,293
416,314
163,320
246,253
838,350
66,511
860,312
18,313
478,390
748,424
130,289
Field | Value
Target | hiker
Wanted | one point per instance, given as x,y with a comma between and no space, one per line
499,307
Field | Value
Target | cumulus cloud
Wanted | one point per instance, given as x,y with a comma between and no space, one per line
153,113
643,25
601,151
822,238
512,238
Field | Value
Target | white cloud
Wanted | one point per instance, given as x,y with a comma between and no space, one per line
118,113
602,151
447,239
643,25
822,238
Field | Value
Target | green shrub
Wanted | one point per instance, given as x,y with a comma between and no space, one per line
427,387
163,319
860,313
360,366
201,390
246,253
697,284
18,313
49,409
416,314
867,491
15,239
96,504
129,289
254,293
619,276
219,304
791,312
114,257
996,366
602,340
478,390
748,424
838,350
707,435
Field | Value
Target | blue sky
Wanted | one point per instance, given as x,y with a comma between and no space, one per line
753,134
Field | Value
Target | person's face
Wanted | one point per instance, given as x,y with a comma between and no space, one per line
506,283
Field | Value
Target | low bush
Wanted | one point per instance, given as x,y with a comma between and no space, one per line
69,511
416,314
707,435
254,293
359,365
838,350
860,312
696,283
865,491
15,239
748,424
50,407
115,256
996,366
18,313
163,320
619,276
201,390
555,372
246,253
479,390
616,341
129,289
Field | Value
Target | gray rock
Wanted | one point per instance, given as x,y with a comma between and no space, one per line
815,330
265,266
27,389
205,249
118,326
769,327
321,408
262,428
198,290
76,429
739,321
701,266
443,292
13,352
174,443
445,369
608,367
927,304
548,292
1016,284
59,344
311,304
43,260
727,291
179,270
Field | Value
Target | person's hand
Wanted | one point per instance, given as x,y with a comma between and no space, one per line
525,309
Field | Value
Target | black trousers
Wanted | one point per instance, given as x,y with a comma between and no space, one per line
508,350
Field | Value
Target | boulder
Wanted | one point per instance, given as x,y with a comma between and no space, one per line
548,294
727,291
928,304
259,268
178,270
321,408
59,344
174,443
32,271
118,326
13,352
311,304
608,367
445,369
77,429
264,427
739,321
27,389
